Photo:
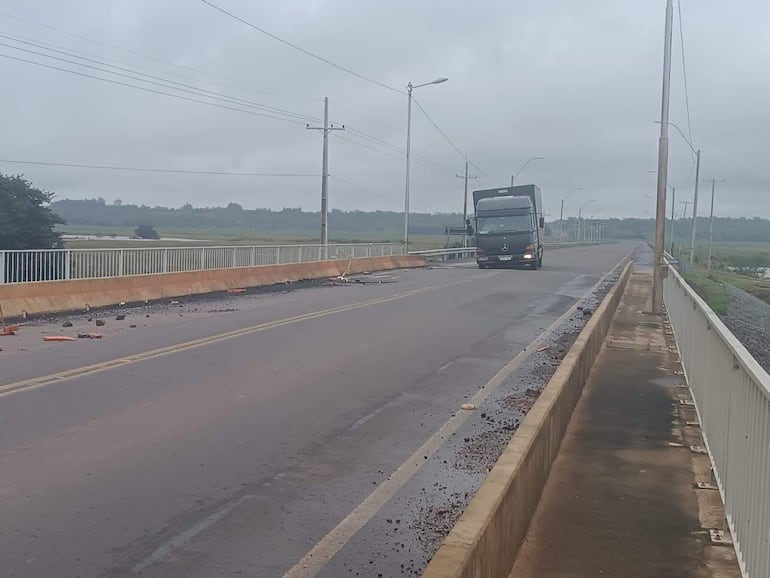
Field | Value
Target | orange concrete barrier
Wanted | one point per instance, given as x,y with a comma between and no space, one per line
484,542
79,294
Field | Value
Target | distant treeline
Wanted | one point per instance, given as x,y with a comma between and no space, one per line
726,229
233,216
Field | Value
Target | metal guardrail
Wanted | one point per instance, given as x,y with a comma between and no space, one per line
33,266
446,254
731,392
470,252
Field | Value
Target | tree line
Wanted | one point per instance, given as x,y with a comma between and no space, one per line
29,216
233,216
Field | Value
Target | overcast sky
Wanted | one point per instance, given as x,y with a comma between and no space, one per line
578,83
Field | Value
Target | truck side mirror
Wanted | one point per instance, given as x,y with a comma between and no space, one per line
542,222
468,226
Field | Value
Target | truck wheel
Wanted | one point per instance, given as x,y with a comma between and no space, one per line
482,266
534,265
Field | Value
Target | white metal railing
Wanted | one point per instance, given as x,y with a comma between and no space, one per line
731,392
446,254
33,266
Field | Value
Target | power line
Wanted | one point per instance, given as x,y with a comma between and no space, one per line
362,188
244,86
164,83
378,141
119,83
299,48
449,140
426,163
441,132
684,72
151,170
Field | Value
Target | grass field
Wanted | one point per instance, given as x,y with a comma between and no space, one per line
729,261
237,237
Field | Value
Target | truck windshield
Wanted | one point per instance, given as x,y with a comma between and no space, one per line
504,224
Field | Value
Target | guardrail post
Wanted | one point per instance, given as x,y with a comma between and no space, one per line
120,262
67,265
165,260
203,258
235,256
278,255
2,267
299,254
253,258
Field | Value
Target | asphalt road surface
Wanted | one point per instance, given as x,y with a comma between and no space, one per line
259,442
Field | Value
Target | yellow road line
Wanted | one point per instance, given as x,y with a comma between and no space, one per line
45,380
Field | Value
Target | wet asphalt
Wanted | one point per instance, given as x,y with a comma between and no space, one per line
237,456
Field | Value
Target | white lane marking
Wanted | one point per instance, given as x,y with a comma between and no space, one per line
184,537
314,561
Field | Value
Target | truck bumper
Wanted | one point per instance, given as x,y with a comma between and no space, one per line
506,259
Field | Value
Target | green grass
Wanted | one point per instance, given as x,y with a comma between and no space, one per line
208,237
711,289
725,257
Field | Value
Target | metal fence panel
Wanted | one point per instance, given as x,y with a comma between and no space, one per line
34,266
731,392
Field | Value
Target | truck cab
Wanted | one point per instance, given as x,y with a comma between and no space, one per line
508,227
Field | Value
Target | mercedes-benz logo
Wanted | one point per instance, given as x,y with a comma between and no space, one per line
505,247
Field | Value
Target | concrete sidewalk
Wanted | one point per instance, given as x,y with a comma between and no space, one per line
621,499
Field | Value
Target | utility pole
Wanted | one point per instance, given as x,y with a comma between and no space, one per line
326,128
711,218
465,198
684,214
673,205
694,209
660,216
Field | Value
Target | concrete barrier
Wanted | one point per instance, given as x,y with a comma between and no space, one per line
57,296
484,542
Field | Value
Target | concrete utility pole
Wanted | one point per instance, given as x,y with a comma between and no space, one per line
465,177
711,218
326,128
694,209
673,217
660,216
684,214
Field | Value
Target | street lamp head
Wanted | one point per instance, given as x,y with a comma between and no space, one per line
439,80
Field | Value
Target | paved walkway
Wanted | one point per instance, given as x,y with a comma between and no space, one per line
621,500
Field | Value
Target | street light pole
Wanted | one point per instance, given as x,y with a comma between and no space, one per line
694,209
660,216
409,88
561,215
513,177
580,219
673,217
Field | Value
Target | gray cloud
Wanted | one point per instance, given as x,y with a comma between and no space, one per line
578,83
